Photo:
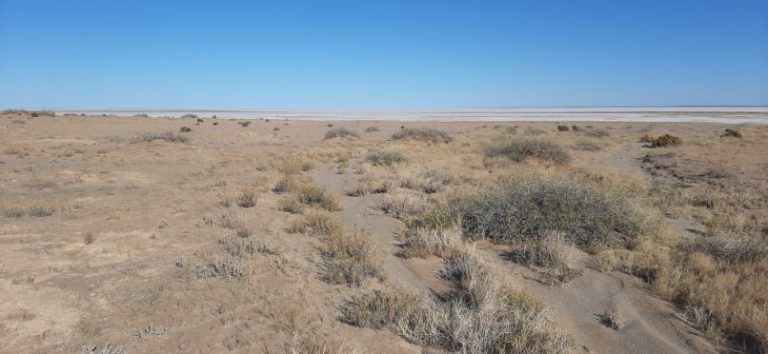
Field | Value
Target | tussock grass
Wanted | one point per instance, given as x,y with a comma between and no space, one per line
424,134
482,316
442,241
294,165
318,224
521,150
592,215
349,257
596,133
220,266
340,132
372,129
314,195
385,157
402,207
368,185
244,247
428,181
586,146
167,136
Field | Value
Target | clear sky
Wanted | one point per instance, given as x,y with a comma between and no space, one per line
388,54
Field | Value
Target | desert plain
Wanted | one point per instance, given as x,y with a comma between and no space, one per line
133,234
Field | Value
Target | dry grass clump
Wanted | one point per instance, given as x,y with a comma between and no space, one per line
244,124
318,224
428,181
586,146
482,316
596,133
665,140
340,132
563,128
349,257
246,199
220,266
33,211
185,129
314,195
168,136
592,215
402,207
372,129
732,133
385,157
244,247
438,240
368,185
292,166
521,150
553,252
424,134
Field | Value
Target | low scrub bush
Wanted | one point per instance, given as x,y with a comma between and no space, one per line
185,129
371,129
521,150
314,195
168,136
385,157
402,207
340,132
563,128
665,140
219,266
732,133
592,215
318,224
424,134
244,247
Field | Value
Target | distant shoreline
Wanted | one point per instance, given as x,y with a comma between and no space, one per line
714,114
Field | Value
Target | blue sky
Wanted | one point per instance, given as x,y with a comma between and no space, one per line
391,54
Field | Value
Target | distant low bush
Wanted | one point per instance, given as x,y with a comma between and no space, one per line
185,129
244,123
563,128
521,150
424,134
371,129
169,136
189,115
665,140
340,132
587,146
731,133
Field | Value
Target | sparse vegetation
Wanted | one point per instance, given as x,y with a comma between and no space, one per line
318,224
385,157
168,136
371,129
244,123
586,146
596,133
424,134
563,128
483,315
349,257
340,132
520,150
220,266
185,129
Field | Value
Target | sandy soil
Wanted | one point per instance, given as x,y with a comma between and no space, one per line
100,236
